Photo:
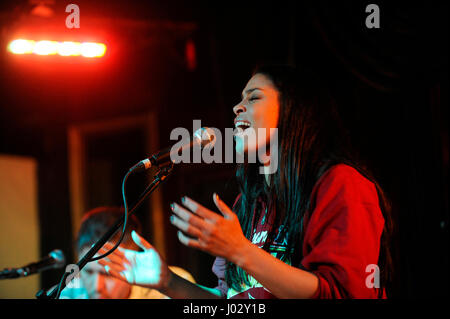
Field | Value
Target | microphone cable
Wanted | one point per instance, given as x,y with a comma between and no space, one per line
124,222
121,236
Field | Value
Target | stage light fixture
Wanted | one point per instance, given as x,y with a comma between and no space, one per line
64,48
21,46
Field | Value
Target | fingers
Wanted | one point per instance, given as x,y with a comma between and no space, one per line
189,241
185,227
114,272
198,209
190,218
202,229
141,242
111,265
108,246
113,258
224,209
188,223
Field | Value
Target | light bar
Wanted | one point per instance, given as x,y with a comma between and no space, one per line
65,48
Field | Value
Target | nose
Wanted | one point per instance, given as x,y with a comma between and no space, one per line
239,108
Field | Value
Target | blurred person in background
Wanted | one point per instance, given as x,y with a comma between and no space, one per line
94,282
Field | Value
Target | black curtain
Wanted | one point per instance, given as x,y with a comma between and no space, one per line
391,85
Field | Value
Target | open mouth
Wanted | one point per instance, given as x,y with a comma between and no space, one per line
241,126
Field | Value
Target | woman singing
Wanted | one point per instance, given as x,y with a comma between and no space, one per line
316,227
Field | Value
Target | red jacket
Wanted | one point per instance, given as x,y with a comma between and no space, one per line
343,234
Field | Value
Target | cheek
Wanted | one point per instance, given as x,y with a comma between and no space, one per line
267,119
266,114
264,118
271,114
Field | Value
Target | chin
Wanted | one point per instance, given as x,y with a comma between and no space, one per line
243,148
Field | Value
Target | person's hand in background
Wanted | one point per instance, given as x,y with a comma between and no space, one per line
143,268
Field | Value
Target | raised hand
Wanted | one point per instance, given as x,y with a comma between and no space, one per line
219,235
144,268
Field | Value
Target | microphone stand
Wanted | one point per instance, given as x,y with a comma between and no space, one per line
157,179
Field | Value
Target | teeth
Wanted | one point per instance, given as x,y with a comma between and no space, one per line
241,123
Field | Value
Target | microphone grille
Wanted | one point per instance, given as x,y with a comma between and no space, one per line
59,257
205,137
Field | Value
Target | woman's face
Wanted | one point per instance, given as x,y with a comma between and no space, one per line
258,109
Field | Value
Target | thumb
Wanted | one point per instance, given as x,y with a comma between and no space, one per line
224,209
141,242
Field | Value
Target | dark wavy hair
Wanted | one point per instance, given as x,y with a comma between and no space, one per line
311,140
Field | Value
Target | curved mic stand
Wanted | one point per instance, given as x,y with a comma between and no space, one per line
160,176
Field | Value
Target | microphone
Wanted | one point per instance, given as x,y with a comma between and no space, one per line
203,137
55,259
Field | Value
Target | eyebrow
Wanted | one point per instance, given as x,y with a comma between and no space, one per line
250,91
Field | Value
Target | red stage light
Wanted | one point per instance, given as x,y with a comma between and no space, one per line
21,46
92,50
65,48
45,47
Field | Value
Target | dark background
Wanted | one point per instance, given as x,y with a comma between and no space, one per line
391,85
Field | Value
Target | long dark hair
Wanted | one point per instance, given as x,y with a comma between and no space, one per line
311,140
